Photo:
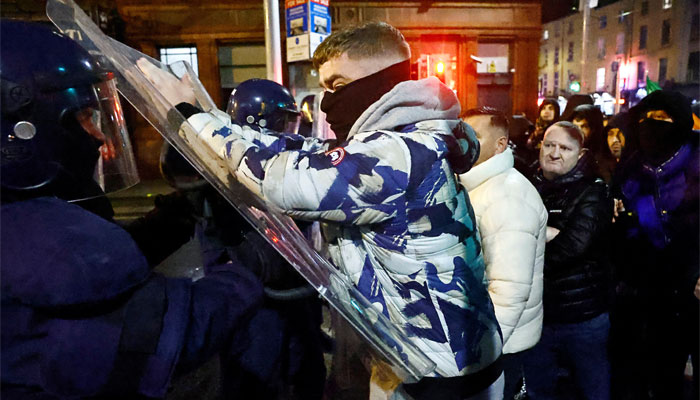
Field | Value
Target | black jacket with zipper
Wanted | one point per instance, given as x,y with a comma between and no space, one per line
576,267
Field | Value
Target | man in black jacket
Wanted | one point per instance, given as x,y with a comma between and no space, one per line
576,324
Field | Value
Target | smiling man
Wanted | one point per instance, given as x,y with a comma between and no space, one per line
396,221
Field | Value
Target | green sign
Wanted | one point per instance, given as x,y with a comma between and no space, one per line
575,86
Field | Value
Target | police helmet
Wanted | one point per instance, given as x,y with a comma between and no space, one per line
265,104
63,131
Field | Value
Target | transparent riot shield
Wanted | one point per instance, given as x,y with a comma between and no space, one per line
389,342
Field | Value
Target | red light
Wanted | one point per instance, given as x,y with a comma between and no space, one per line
440,67
621,101
271,235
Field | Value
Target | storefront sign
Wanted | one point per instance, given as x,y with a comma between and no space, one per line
308,23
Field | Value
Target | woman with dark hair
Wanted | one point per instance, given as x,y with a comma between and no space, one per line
576,271
589,120
547,114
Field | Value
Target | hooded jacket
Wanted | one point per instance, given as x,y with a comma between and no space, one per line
396,221
512,224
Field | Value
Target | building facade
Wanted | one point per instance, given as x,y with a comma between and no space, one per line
625,43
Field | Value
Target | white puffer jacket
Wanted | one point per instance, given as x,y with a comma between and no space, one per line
512,222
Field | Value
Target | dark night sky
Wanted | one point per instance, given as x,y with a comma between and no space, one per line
554,9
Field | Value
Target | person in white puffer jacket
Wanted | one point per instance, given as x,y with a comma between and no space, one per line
512,222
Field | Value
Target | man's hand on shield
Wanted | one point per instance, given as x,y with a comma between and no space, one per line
174,90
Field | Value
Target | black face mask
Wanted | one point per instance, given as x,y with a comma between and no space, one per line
659,140
344,106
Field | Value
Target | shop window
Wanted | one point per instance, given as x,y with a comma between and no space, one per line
642,37
666,32
170,55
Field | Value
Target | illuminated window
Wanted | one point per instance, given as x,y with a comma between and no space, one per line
666,32
641,74
169,55
642,37
545,35
600,80
667,4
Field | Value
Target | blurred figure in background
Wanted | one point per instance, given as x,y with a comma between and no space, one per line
547,114
658,253
306,121
576,270
589,120
616,131
573,102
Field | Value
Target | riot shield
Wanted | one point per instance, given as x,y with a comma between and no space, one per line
388,340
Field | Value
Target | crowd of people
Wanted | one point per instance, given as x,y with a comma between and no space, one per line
554,260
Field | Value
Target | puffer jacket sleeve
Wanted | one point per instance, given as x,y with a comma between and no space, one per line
510,230
591,216
359,183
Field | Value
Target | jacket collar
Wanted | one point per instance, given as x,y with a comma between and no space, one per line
487,169
407,103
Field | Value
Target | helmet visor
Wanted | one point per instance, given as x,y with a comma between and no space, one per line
115,168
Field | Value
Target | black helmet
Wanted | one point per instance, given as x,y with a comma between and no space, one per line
63,130
265,104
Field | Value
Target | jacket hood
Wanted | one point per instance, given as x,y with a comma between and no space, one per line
409,102
426,105
674,103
